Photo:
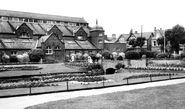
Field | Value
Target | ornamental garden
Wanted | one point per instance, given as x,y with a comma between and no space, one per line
89,71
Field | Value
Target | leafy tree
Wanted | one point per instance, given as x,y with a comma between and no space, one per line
176,36
132,42
140,41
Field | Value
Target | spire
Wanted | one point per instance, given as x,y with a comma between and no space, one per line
96,21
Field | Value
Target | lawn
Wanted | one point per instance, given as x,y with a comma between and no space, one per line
47,68
164,97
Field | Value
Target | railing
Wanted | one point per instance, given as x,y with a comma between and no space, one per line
66,86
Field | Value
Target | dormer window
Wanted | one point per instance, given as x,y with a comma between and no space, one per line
80,38
57,47
24,35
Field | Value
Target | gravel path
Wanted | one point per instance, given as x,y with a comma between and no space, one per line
25,101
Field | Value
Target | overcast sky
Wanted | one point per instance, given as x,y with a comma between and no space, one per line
115,16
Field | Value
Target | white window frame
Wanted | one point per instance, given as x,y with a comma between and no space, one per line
49,50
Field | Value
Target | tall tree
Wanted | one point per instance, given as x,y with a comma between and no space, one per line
176,36
140,41
132,42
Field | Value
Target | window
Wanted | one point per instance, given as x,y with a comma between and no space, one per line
57,47
77,24
40,21
15,19
44,21
13,53
100,41
49,50
21,19
48,21
80,38
154,43
26,20
5,18
35,20
24,35
100,34
10,18
30,20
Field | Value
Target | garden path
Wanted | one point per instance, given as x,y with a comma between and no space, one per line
25,101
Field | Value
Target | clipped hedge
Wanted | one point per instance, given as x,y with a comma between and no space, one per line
132,55
162,55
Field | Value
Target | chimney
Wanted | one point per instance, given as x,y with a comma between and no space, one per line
136,32
154,29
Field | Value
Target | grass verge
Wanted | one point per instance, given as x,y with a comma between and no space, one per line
165,97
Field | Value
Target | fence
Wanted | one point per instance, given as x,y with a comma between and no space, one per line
73,86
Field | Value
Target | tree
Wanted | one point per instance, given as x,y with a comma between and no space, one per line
140,41
132,42
176,36
35,55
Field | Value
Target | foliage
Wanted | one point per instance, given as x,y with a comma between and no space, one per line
160,42
95,69
132,55
162,55
13,59
139,41
182,55
120,58
106,55
132,42
176,36
35,55
119,65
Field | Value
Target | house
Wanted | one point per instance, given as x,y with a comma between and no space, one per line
124,38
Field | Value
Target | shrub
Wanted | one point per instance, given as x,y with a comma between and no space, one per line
120,58
110,71
119,65
35,55
106,55
94,69
162,55
182,55
13,59
132,55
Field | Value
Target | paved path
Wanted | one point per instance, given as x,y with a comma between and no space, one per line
25,101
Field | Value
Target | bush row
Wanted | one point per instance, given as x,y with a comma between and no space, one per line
148,75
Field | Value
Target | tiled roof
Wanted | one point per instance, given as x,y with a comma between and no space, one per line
5,27
65,31
36,28
86,44
70,44
122,38
42,39
41,16
16,43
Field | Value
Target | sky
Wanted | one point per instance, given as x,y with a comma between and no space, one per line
115,16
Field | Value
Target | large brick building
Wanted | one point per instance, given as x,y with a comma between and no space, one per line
57,36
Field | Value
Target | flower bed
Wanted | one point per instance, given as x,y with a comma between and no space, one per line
10,68
155,68
48,80
148,75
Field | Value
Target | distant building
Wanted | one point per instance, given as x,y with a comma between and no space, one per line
124,38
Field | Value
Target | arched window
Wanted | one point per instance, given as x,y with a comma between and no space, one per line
49,50
57,47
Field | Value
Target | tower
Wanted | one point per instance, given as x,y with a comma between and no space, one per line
97,35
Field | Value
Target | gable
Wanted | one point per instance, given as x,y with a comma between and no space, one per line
24,29
55,30
81,33
53,41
